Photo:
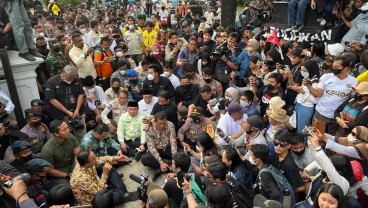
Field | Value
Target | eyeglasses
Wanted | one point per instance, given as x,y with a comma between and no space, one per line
279,144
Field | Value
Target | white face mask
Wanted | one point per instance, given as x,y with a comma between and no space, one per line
155,53
83,30
252,161
65,42
167,74
243,103
204,63
119,54
199,149
67,82
229,98
42,34
122,72
131,27
92,90
150,77
351,138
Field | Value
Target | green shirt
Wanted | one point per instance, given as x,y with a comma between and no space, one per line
60,154
131,128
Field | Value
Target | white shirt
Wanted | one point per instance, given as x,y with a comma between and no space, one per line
163,15
307,99
209,17
84,64
335,92
144,108
4,99
173,79
229,126
98,95
87,39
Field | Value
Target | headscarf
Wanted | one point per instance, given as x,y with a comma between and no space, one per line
159,54
233,92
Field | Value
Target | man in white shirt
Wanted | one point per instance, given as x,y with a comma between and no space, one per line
168,73
95,94
81,56
82,27
332,90
230,125
209,16
147,103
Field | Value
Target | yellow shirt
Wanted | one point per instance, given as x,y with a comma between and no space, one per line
156,27
55,9
149,38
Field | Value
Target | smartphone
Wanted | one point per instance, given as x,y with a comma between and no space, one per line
180,177
6,125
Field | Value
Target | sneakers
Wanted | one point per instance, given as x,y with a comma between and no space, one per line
27,56
34,53
323,22
298,28
290,28
131,196
320,19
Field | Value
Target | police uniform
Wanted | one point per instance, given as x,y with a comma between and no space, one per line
111,95
117,110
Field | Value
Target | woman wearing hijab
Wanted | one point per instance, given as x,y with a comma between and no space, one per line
154,55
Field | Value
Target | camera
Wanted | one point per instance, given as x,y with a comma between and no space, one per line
144,183
223,103
75,124
220,50
257,82
7,181
307,130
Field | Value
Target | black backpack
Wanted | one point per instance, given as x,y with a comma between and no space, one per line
241,196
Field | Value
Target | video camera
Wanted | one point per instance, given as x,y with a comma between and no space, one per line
221,103
144,183
220,50
7,181
307,130
75,124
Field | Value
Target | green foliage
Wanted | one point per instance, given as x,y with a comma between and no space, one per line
62,3
242,2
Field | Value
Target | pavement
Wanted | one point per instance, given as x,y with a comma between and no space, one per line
136,168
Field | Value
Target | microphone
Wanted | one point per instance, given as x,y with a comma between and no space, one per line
135,178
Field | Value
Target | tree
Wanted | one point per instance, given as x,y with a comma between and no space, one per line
228,13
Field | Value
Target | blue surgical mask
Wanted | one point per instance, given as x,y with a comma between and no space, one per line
244,104
174,22
305,74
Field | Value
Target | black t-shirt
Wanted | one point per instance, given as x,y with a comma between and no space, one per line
170,110
21,167
291,94
267,186
289,168
265,96
186,96
199,101
162,84
173,192
210,46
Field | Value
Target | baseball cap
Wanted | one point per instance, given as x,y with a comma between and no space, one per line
19,146
156,197
235,108
37,102
132,73
37,165
88,81
256,121
184,24
329,58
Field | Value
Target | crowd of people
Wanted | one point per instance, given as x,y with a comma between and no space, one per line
233,117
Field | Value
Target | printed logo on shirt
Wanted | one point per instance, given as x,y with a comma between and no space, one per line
337,93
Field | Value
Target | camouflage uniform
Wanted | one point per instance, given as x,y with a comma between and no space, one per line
55,60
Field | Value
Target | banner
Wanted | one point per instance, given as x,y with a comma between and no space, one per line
324,35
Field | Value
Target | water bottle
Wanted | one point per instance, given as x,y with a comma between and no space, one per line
287,199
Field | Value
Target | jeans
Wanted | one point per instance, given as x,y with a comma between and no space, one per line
297,16
21,26
303,116
328,11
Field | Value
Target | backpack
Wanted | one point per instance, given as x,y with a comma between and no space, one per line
242,197
282,183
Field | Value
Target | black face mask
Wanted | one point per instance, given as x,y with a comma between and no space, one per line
116,89
134,81
37,123
270,87
42,46
196,119
270,64
336,71
300,153
358,97
186,86
57,50
26,159
326,66
249,132
207,80
60,28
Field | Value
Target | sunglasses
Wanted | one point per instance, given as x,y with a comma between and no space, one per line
279,144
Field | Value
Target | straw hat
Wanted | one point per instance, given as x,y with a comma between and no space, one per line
278,114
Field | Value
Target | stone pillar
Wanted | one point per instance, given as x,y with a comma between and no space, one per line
24,77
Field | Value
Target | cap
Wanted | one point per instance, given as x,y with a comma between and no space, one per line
147,92
30,112
335,49
362,88
198,111
37,102
132,104
364,7
37,165
185,24
53,42
256,121
234,107
329,58
156,197
88,81
19,146
51,1
262,202
132,73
